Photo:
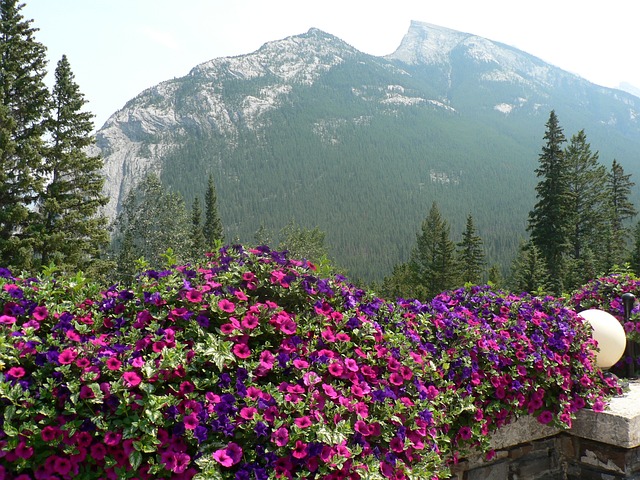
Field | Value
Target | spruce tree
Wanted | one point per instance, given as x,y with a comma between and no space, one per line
621,209
213,230
198,245
70,230
585,213
528,271
23,104
548,219
433,260
634,258
152,220
471,255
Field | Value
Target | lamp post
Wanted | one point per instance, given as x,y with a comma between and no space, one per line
628,300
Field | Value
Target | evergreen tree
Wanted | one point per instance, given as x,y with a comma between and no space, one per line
585,213
70,231
304,243
198,242
213,230
548,219
23,104
151,221
471,255
495,276
400,284
433,259
621,209
528,271
634,259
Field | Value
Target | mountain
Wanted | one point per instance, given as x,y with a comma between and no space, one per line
310,129
632,89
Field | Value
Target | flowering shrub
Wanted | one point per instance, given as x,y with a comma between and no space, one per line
605,293
252,367
506,356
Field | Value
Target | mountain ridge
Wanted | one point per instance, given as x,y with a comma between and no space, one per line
317,118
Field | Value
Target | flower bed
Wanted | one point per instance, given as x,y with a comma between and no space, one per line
605,293
252,367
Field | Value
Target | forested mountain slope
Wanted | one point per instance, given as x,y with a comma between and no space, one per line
310,129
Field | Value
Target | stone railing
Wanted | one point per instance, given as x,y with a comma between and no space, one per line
599,446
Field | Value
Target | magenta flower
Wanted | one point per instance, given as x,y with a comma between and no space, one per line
16,372
226,306
241,350
40,313
113,363
131,379
191,421
194,296
7,320
303,422
280,437
300,449
228,456
67,356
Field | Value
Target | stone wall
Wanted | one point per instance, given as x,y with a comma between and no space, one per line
599,446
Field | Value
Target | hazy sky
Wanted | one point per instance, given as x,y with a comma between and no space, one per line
117,48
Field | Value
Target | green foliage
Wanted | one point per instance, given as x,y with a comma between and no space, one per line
548,224
23,106
433,261
151,221
69,229
470,255
212,229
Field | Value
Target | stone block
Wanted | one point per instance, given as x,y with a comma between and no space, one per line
618,425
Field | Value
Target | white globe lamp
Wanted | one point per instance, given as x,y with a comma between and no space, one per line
609,334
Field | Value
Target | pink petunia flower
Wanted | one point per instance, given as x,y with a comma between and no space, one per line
300,449
191,421
280,437
40,313
131,379
194,296
67,356
7,320
303,422
227,457
241,350
113,363
226,306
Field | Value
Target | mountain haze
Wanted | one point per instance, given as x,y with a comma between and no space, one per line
310,129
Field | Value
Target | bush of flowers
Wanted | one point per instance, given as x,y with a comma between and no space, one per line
252,367
605,293
506,356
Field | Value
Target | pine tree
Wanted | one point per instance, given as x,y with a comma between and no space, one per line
621,209
304,243
213,230
585,219
198,245
70,231
471,255
151,221
433,261
528,271
634,259
23,104
548,219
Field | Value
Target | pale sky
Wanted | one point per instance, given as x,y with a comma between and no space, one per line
117,48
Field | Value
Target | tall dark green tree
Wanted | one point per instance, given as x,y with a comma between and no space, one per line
548,220
70,231
529,270
23,105
152,220
585,219
433,259
198,242
634,257
471,257
213,230
621,210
